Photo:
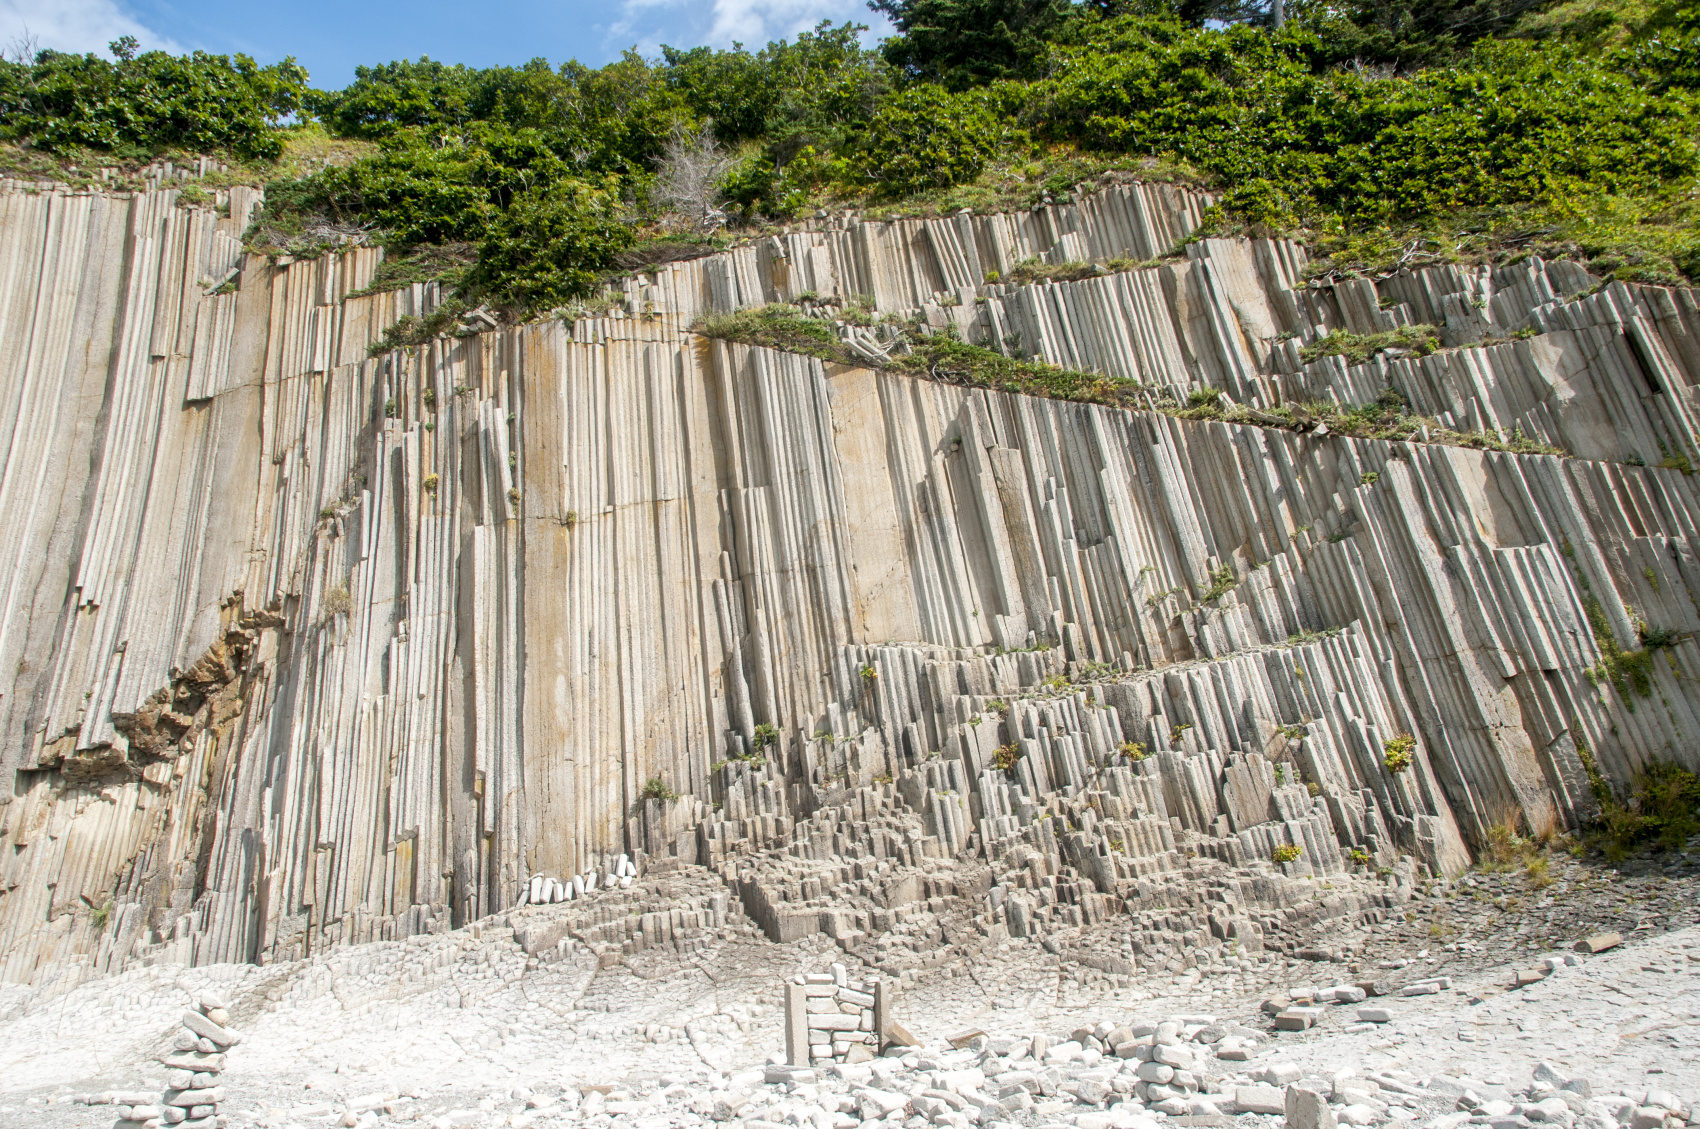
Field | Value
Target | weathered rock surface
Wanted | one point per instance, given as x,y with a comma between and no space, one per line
314,648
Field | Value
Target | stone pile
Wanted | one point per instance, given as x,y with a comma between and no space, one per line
831,1018
1443,1101
192,1093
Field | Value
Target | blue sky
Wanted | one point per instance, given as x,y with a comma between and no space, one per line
330,38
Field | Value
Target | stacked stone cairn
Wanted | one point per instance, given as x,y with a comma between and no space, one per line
831,1018
1165,1072
192,1093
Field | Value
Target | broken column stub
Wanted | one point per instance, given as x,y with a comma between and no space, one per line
832,1018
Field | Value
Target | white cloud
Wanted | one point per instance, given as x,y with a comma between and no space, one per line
755,22
73,25
750,22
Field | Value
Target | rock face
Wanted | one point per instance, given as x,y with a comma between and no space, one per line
311,646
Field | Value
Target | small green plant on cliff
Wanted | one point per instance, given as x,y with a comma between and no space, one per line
1133,750
1398,752
1503,848
430,482
410,330
337,601
1356,348
1006,757
763,736
656,789
1221,581
1288,852
1661,811
869,674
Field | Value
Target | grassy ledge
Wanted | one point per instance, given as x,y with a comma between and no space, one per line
811,331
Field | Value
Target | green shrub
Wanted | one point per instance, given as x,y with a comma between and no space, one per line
656,789
1288,852
1511,122
150,102
963,43
1661,811
925,138
1221,581
550,246
1357,348
1398,753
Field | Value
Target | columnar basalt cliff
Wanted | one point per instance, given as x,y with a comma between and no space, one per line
310,646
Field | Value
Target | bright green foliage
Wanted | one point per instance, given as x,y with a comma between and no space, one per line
612,119
963,43
1410,33
141,104
1493,127
656,789
1221,581
1398,752
790,94
925,138
550,245
1513,122
1662,811
1357,348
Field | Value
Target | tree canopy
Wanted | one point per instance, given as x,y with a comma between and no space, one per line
1351,117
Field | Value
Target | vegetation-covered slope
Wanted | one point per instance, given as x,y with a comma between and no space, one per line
1381,132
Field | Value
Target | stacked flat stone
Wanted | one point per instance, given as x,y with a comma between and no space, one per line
831,1018
135,1107
192,1093
1165,1071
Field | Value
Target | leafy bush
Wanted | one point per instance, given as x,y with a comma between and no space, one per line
963,43
1511,122
1288,852
925,138
1357,348
1221,581
1490,132
150,102
1398,752
551,245
1662,811
656,789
